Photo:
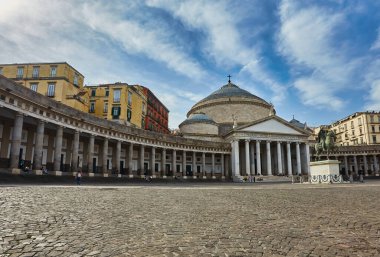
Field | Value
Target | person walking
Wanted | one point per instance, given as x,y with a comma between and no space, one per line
78,177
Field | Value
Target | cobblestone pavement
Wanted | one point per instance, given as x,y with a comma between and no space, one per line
196,220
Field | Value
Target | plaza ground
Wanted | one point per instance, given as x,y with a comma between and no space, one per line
190,220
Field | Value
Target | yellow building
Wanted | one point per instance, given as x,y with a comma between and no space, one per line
118,102
59,81
360,128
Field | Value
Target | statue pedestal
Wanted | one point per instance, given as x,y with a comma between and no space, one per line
325,172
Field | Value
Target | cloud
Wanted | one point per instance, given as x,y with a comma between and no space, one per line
307,39
223,40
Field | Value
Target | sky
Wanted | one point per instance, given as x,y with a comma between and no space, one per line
316,60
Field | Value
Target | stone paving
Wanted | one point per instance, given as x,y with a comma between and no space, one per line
196,220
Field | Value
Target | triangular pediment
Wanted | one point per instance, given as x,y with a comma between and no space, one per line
272,125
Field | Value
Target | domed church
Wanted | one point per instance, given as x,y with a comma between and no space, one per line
262,143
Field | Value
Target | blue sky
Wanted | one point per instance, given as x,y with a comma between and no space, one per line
317,60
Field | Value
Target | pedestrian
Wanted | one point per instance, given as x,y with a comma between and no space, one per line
361,176
78,177
26,170
44,170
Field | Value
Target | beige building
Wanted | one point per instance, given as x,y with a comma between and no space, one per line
360,128
59,81
119,102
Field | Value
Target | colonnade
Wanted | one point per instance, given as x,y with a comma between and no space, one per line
162,161
266,157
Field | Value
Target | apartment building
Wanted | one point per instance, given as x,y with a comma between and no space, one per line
119,102
360,128
58,80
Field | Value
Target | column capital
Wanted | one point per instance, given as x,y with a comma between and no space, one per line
247,140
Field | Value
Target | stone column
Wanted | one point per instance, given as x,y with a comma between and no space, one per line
212,165
194,164
74,160
365,165
279,159
118,152
163,162
222,170
204,165
130,160
247,162
269,163
355,165
307,159
375,164
58,150
258,158
141,161
289,159
174,163
16,142
298,158
153,161
39,144
235,158
252,157
346,166
105,155
90,154
184,164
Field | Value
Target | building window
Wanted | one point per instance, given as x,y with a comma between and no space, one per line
374,139
353,132
76,79
345,126
51,89
129,98
143,123
352,124
20,72
143,108
116,96
33,86
373,128
105,108
115,112
371,118
107,92
361,131
92,107
129,115
36,72
53,71
93,92
360,121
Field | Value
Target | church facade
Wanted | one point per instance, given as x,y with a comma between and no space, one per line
229,134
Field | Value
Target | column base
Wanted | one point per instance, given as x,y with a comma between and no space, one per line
91,174
164,176
142,176
204,177
130,176
213,177
194,177
16,171
154,176
119,175
184,177
37,172
105,175
57,173
223,177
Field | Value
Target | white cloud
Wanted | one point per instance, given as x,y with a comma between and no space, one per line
306,38
372,79
318,94
223,42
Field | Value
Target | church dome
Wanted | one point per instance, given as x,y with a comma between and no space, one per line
231,90
198,124
231,103
198,118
